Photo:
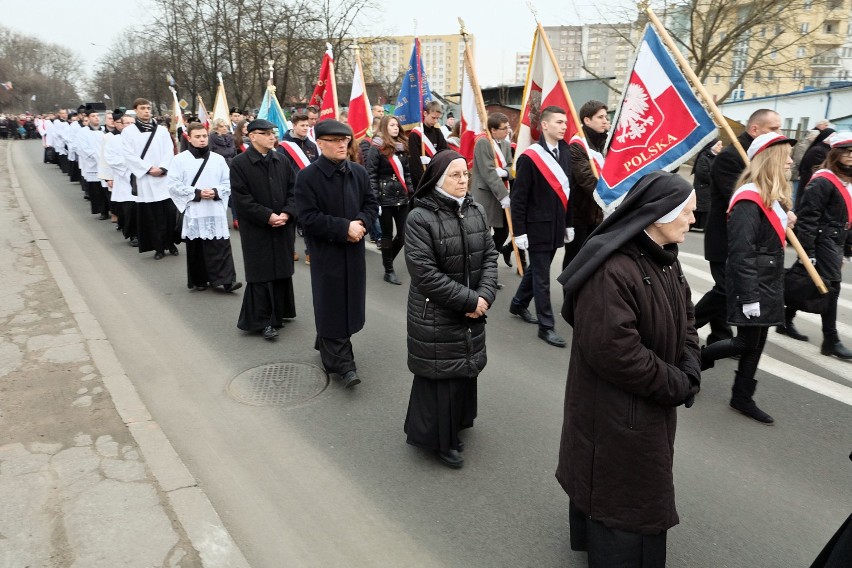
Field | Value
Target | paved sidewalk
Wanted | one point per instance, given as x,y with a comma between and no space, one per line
87,478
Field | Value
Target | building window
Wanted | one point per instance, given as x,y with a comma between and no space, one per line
804,27
829,27
808,4
800,52
757,76
716,79
763,31
770,75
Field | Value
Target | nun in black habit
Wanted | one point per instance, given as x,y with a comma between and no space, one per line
634,359
452,261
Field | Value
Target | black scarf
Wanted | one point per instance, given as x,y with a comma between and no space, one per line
146,126
596,140
199,153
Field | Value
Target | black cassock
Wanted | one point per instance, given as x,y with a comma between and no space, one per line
328,197
261,186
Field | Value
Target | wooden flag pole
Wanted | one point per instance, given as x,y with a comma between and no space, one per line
579,125
720,120
483,119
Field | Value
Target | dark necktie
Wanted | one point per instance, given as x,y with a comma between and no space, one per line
556,153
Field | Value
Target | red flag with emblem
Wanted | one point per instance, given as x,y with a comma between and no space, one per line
325,92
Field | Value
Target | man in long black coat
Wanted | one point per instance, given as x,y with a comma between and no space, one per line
727,167
262,192
336,206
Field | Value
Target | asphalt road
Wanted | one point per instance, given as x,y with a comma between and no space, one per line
332,481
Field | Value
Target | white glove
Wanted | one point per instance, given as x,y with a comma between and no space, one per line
380,210
501,172
813,260
751,310
569,234
505,202
522,242
425,160
846,259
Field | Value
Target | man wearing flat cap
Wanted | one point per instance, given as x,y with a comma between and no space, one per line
336,206
262,194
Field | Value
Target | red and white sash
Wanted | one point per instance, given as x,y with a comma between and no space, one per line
244,146
593,154
397,169
845,191
777,216
296,153
551,170
427,144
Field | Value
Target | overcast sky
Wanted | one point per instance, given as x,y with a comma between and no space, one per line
501,27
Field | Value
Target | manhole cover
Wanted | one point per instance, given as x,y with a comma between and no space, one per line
278,384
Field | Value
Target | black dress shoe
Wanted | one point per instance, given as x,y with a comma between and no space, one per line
270,333
231,286
790,331
499,286
549,336
350,379
159,256
460,446
392,279
201,288
103,217
523,313
451,458
134,242
174,251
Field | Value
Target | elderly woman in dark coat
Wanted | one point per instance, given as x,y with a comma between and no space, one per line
634,359
453,266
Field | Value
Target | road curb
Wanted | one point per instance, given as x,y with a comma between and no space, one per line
193,509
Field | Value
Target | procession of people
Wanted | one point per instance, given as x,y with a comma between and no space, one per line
449,215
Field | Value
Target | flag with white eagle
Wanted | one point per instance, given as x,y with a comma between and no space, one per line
659,124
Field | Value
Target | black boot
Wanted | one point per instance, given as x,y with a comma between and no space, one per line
507,254
386,246
790,330
742,401
831,346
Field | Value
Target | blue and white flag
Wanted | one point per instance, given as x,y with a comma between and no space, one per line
271,110
415,91
659,124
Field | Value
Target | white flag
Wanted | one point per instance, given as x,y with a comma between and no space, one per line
33,98
106,96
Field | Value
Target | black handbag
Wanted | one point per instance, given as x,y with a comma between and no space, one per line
801,293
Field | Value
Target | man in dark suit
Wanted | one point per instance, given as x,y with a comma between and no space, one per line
539,206
727,167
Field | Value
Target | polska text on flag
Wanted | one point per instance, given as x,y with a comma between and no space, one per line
415,91
659,124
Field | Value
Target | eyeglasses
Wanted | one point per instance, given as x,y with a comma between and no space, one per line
846,150
503,128
336,140
459,175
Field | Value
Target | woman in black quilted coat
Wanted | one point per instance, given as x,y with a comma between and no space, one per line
453,267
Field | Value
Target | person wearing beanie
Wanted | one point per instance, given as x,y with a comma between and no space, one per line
758,217
336,206
823,228
452,262
634,359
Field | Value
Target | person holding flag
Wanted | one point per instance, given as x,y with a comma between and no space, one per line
425,141
758,217
490,179
390,180
539,205
586,214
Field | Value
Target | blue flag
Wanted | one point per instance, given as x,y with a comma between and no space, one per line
271,111
415,91
659,124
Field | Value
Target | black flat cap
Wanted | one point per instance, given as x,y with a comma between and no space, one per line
332,128
235,109
260,124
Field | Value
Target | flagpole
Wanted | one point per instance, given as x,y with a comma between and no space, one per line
419,92
483,119
360,69
722,123
580,132
525,99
